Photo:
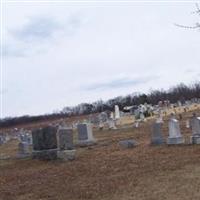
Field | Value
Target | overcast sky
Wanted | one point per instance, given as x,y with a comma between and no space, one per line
57,55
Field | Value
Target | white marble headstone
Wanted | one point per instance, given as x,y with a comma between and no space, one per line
174,128
117,113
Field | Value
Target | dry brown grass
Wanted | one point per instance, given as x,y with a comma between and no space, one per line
107,172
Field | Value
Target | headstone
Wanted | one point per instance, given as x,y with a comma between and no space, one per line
142,117
26,137
157,136
23,150
136,124
65,138
111,124
159,119
103,117
175,136
85,134
128,144
101,126
45,143
65,144
2,140
112,115
117,113
187,124
195,125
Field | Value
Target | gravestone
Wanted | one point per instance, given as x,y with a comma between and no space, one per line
85,134
44,143
175,136
117,113
111,124
111,115
187,124
25,137
157,136
136,124
23,150
65,144
142,117
128,144
2,140
101,125
65,138
195,125
159,119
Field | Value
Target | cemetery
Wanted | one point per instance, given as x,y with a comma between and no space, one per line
116,156
99,100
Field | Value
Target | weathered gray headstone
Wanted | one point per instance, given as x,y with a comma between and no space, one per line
65,136
65,143
157,136
45,143
175,136
2,140
111,124
23,150
25,137
128,143
85,134
195,125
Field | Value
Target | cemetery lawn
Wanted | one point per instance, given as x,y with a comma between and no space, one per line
106,171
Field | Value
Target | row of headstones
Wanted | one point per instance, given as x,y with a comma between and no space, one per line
175,136
51,143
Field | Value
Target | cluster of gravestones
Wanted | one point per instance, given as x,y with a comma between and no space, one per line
4,138
175,136
50,142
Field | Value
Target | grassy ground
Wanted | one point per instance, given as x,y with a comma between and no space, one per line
107,172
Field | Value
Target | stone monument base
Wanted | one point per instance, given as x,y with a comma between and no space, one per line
84,143
157,141
50,154
195,139
27,155
128,144
66,154
176,140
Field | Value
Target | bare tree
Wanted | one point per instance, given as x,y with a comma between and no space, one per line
197,24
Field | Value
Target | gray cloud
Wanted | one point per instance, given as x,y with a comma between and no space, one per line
37,29
13,51
37,34
120,83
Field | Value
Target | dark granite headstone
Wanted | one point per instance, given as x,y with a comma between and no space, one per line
45,143
85,135
82,132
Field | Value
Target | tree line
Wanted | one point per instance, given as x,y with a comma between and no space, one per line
180,92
